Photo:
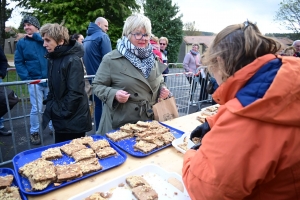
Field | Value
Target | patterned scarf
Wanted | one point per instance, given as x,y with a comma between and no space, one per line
141,58
194,52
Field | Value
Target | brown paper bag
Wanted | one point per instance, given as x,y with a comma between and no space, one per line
165,110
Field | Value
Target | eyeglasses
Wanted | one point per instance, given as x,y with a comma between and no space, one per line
162,44
139,36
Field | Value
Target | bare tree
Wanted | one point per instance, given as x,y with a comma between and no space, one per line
190,29
288,15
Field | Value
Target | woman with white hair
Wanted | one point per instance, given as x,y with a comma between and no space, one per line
129,80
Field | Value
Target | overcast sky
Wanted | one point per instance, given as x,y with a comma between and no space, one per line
214,15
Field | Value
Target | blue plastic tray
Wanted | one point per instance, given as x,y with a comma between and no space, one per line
8,171
27,156
127,144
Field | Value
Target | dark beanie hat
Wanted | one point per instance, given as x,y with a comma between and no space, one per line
31,20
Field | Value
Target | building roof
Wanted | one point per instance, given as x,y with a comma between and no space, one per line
284,41
19,36
7,29
207,40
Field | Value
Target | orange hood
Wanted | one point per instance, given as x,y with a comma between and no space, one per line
281,102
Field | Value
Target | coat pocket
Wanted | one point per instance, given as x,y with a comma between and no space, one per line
125,113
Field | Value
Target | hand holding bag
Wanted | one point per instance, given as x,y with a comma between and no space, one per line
165,110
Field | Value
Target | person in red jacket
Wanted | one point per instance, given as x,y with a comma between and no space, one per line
155,45
251,148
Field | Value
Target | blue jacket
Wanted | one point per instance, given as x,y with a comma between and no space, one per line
257,86
96,45
30,61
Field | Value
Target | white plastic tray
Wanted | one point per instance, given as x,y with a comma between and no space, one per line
180,140
156,176
212,106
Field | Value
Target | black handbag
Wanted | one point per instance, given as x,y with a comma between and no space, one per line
12,100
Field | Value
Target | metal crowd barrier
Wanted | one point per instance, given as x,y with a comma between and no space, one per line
19,114
181,90
199,96
17,120
175,67
202,95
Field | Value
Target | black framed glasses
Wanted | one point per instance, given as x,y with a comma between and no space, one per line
139,36
162,44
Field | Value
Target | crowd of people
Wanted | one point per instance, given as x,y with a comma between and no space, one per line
50,52
248,150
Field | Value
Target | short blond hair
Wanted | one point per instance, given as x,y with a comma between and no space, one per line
55,31
136,22
154,38
164,38
289,51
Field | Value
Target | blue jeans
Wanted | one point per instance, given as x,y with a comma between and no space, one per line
36,100
98,111
1,123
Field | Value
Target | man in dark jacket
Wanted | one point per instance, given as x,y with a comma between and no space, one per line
3,68
96,45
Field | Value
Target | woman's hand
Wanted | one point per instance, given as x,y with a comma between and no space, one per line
122,96
164,93
198,73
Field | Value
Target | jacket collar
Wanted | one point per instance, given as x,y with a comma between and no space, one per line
233,84
136,74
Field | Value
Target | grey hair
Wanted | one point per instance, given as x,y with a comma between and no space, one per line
136,22
294,43
55,31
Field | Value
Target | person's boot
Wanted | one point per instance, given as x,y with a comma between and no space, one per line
5,131
35,138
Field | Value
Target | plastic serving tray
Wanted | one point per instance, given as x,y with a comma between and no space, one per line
180,140
216,106
157,178
127,144
8,171
27,156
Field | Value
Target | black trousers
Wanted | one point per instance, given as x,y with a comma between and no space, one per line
63,136
190,79
203,93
